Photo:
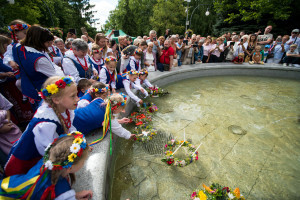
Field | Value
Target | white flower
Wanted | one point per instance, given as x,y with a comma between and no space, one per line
49,165
75,148
182,163
196,198
47,148
230,195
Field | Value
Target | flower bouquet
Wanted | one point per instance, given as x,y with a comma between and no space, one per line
144,133
170,150
156,91
218,192
140,118
148,108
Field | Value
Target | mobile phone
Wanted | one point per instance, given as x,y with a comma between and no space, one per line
154,39
185,42
195,45
231,43
117,33
242,40
83,30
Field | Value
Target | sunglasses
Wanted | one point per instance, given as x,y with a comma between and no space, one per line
295,33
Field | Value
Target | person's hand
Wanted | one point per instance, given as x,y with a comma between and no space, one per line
141,102
86,34
259,32
155,43
8,74
124,120
13,64
291,42
132,136
84,195
113,90
95,73
6,127
142,90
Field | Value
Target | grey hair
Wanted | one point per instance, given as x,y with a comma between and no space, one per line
235,37
167,40
58,40
152,32
202,41
80,45
137,41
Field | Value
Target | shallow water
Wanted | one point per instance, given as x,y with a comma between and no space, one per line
250,134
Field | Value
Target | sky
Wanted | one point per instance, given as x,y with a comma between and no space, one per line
103,7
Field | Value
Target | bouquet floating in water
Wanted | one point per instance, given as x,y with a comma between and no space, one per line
156,91
218,192
144,133
143,116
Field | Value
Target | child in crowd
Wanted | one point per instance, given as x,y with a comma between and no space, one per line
142,80
89,114
53,175
83,86
239,59
266,52
118,105
257,56
229,56
97,90
135,61
96,57
129,79
292,56
53,118
108,74
9,132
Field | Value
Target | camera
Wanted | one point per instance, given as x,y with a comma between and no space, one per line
185,42
154,39
195,45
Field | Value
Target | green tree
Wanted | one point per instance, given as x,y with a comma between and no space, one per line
168,14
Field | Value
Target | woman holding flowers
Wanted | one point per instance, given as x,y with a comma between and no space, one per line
53,118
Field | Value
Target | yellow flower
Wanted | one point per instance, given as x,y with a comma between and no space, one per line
207,188
202,195
71,157
53,89
77,140
237,193
96,90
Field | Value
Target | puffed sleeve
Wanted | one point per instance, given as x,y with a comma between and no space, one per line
117,129
102,76
126,84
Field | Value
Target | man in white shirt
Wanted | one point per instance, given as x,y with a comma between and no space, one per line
294,39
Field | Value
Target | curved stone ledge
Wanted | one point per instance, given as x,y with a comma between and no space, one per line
96,175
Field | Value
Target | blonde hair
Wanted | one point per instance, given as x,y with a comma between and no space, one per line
59,152
49,100
3,40
116,98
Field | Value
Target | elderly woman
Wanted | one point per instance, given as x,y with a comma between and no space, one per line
150,57
216,50
76,64
59,43
207,46
101,40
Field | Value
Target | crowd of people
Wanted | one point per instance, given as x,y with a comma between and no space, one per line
59,90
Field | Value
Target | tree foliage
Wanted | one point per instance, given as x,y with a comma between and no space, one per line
51,13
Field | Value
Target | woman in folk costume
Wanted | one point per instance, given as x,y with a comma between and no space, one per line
53,175
76,62
35,67
53,118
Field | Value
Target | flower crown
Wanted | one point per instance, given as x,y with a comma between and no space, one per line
110,58
98,50
76,149
118,104
100,90
138,51
131,72
18,27
54,88
143,72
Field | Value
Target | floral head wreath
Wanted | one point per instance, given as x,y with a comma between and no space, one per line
76,149
118,104
100,90
54,88
138,52
131,72
143,72
98,50
110,58
18,27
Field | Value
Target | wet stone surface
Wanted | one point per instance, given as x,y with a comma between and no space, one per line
249,140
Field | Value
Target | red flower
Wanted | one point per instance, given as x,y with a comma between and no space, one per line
57,167
139,123
79,152
227,189
133,113
130,120
60,84
41,94
170,162
141,116
78,136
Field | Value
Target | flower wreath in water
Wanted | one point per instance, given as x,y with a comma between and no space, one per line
144,133
144,115
216,191
156,91
172,145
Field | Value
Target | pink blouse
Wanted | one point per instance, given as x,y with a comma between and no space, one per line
206,49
